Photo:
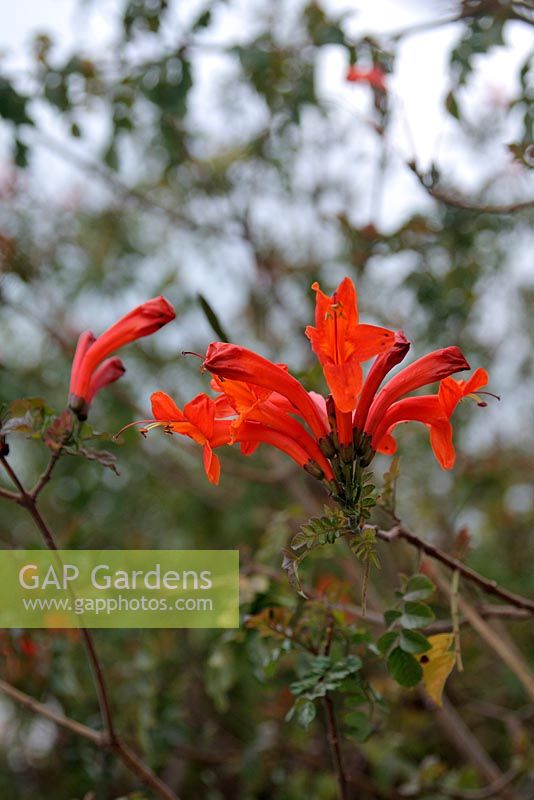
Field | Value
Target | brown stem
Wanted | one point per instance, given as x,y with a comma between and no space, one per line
59,719
125,753
487,611
7,495
456,200
513,660
47,474
110,737
489,586
335,747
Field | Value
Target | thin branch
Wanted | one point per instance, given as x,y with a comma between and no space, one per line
462,739
14,477
125,753
128,757
47,474
512,660
59,719
489,586
486,610
127,194
335,747
457,200
494,789
7,495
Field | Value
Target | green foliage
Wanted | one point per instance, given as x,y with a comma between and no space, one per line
325,675
402,642
404,668
247,200
13,105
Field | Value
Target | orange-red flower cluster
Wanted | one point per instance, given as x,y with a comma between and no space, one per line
257,401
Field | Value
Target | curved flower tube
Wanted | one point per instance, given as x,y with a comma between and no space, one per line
90,352
434,411
426,370
236,363
256,432
379,369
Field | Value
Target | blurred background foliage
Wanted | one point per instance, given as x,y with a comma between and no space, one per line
199,153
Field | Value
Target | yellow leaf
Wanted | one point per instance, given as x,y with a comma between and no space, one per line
437,664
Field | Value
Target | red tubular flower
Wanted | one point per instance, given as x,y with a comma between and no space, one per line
108,372
452,391
341,344
426,409
256,404
434,411
375,77
253,432
379,369
426,370
197,421
229,361
90,352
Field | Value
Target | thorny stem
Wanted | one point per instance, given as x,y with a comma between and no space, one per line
489,586
110,738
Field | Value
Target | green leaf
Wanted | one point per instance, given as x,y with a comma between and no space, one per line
325,676
404,668
416,615
452,106
212,318
356,698
290,564
391,616
306,713
359,726
414,642
419,587
21,153
386,641
13,105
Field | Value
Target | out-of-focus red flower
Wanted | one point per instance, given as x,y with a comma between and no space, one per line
91,372
374,76
28,646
